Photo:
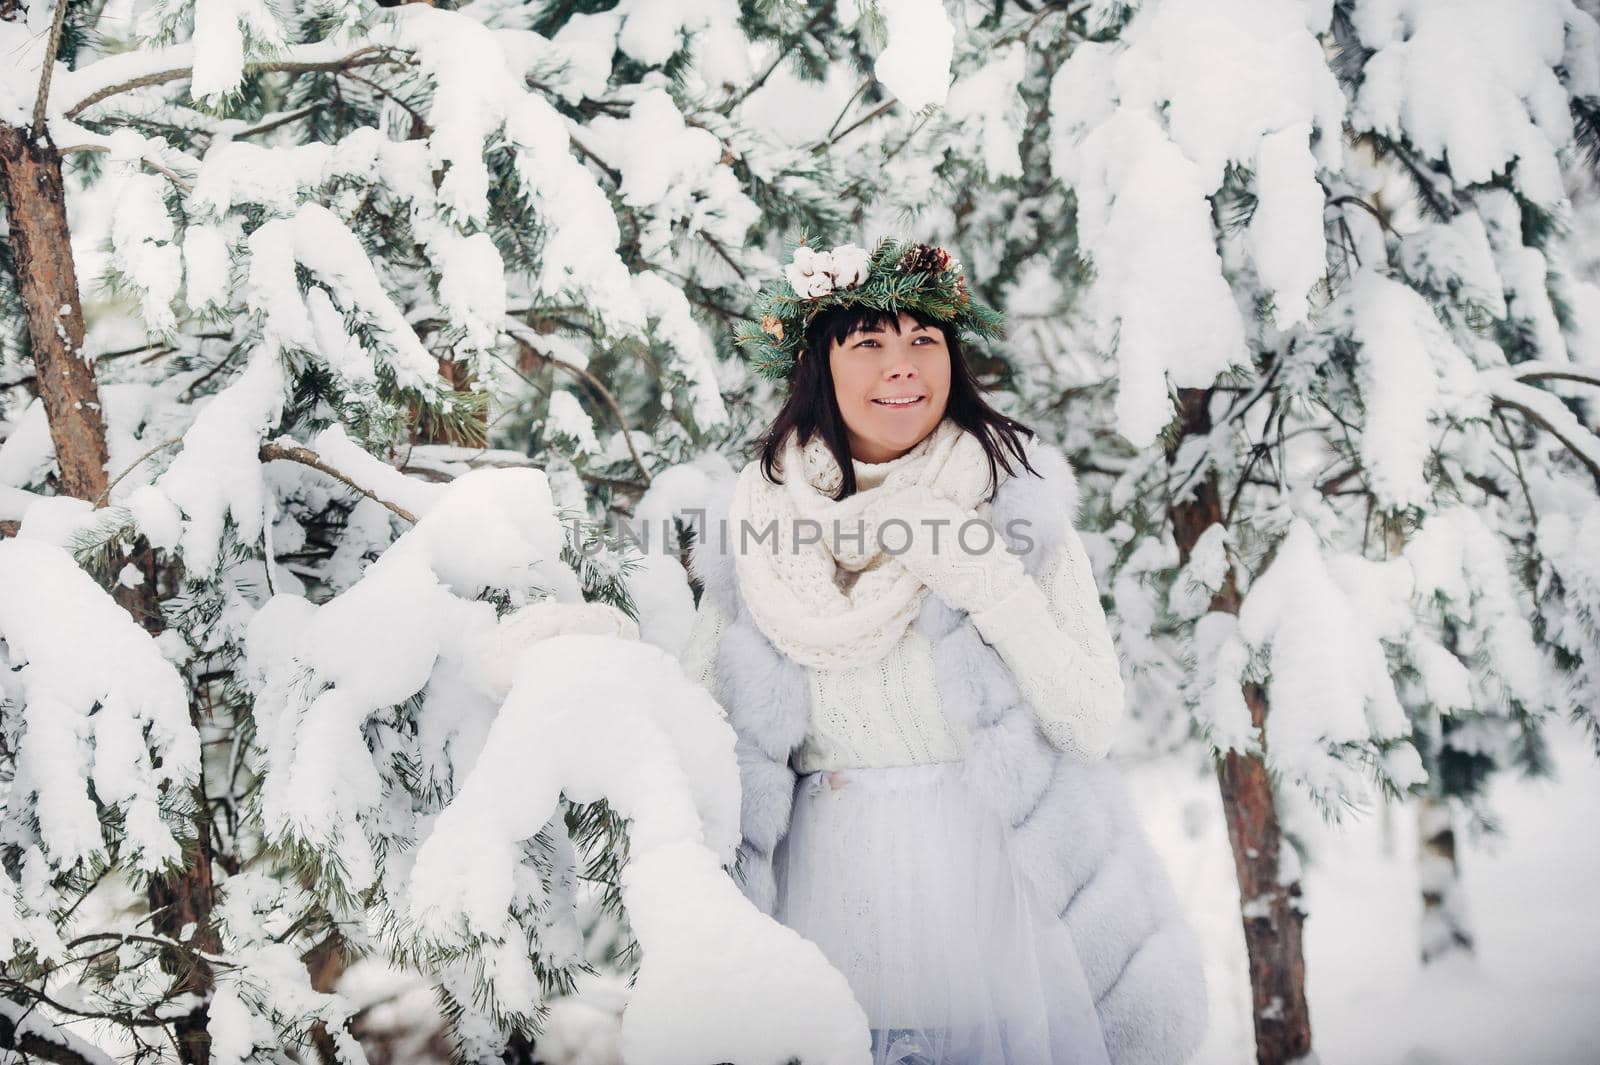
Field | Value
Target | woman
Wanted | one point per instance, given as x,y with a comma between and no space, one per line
904,629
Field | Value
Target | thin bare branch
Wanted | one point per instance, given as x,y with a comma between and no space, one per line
48,66
181,182
529,340
877,112
276,121
306,457
101,501
1547,372
368,56
1573,445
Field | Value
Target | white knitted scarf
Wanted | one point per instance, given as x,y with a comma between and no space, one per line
828,604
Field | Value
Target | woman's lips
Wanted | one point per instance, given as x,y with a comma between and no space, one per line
900,406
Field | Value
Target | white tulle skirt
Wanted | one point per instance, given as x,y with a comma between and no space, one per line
907,884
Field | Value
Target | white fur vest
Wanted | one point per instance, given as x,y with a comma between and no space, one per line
1074,831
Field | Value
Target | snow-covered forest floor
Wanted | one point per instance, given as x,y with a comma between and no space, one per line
1528,997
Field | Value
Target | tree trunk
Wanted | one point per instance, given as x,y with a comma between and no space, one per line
1270,908
47,280
1445,929
177,901
325,963
186,897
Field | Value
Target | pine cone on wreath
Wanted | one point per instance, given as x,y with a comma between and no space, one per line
925,259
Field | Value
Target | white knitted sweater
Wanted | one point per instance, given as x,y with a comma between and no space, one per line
1051,633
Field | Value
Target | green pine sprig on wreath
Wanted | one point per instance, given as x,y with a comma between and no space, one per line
896,276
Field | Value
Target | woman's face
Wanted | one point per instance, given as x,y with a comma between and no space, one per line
872,368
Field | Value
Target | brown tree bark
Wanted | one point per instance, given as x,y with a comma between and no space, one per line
1271,913
325,963
47,278
176,901
185,897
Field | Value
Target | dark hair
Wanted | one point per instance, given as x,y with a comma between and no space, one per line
812,407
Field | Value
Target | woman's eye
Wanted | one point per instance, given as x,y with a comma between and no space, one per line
915,340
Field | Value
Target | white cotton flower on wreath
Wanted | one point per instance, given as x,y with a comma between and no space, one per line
816,273
850,265
808,273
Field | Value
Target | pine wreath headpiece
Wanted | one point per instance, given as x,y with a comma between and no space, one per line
895,276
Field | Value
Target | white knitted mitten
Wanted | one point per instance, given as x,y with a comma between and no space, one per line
969,570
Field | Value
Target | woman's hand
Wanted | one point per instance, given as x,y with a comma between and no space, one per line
955,552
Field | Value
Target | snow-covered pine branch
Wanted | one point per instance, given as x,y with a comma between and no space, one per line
407,686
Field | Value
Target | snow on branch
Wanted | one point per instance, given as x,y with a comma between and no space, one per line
1546,410
411,666
1461,570
592,717
321,671
31,1033
335,454
288,451
1547,370
100,705
143,67
1328,677
217,475
316,240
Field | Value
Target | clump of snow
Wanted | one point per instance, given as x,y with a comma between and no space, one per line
1202,576
144,247
316,240
267,987
567,418
1286,228
1328,678
478,96
1410,372
1143,130
1221,661
694,359
659,584
222,29
472,287
205,267
217,474
651,31
591,717
1460,565
915,65
585,1027
1476,82
100,704
1159,299
27,453
1455,257
320,672
672,174
988,106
